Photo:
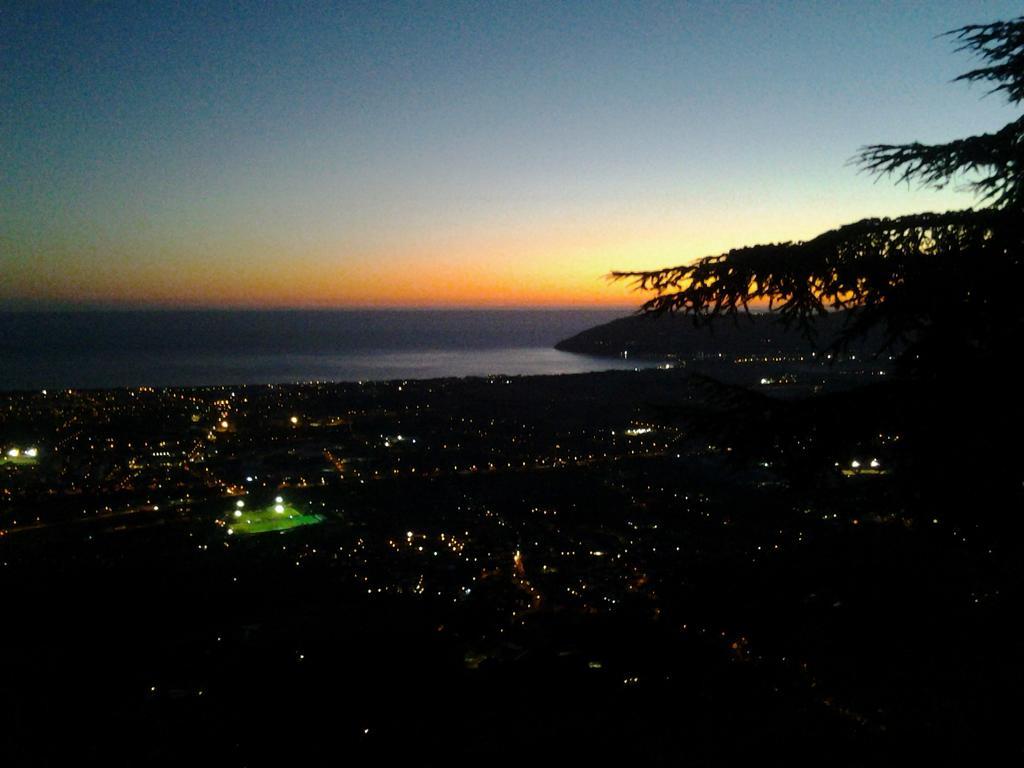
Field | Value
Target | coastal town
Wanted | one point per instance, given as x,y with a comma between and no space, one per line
474,534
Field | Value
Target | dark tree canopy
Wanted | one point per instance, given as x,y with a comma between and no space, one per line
995,158
954,274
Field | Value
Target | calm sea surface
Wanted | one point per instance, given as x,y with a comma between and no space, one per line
163,348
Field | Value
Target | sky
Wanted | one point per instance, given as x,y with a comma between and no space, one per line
448,154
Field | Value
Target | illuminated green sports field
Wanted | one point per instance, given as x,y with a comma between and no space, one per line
274,517
19,461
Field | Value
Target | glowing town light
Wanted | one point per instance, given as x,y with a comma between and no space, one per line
875,464
279,508
32,452
408,534
294,419
278,500
855,464
238,513
224,425
239,503
14,453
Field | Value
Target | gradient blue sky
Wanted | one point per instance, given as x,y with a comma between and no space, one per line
419,154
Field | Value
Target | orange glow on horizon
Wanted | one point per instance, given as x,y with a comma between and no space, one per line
564,263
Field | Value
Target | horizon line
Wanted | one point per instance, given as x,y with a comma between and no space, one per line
73,308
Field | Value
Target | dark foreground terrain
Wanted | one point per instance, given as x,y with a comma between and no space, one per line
486,572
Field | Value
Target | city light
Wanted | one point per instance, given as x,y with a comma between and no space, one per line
641,538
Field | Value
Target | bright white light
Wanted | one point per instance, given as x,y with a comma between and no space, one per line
248,479
238,513
278,500
294,419
239,503
279,508
32,452
875,464
14,453
230,531
223,425
855,464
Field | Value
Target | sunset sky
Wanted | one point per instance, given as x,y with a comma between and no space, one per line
448,154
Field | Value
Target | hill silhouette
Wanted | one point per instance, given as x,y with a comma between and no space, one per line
677,336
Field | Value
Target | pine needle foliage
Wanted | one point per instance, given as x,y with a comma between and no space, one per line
907,275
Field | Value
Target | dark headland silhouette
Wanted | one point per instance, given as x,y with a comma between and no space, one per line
678,337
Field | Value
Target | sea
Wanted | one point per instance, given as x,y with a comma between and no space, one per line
106,349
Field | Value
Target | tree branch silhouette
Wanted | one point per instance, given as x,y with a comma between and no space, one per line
901,273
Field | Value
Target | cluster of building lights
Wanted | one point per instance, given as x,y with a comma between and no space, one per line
874,464
15,453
